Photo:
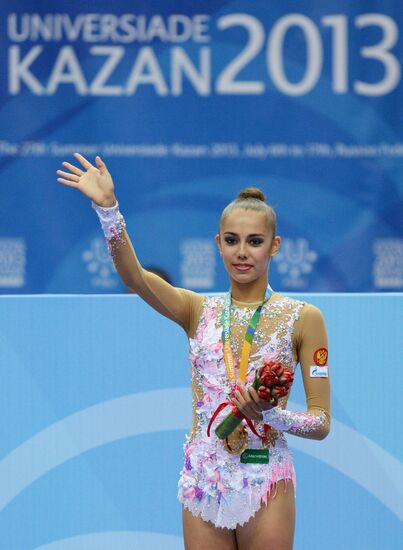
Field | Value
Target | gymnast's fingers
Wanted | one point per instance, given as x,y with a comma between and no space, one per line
253,393
83,161
72,168
67,182
70,177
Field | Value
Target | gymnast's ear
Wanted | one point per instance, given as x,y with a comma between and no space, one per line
218,241
275,245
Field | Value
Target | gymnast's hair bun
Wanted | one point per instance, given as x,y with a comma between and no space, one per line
251,193
251,198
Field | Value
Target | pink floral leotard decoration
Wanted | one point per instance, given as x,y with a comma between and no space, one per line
214,484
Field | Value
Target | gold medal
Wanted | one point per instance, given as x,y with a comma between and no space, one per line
237,441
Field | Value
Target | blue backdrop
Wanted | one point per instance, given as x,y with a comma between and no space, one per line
187,103
93,422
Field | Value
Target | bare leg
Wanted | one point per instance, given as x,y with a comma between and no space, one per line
272,528
202,535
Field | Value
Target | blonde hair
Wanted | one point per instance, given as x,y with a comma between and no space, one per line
252,198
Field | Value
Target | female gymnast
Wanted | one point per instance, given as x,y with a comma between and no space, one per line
236,494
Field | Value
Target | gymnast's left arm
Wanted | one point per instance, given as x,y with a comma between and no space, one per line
311,346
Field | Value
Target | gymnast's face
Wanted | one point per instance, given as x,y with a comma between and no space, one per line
246,244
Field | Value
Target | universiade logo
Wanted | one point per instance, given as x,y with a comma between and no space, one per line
388,263
12,262
100,265
198,263
294,262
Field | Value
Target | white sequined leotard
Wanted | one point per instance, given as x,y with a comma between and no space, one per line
213,483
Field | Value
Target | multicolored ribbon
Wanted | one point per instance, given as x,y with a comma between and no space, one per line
229,358
250,332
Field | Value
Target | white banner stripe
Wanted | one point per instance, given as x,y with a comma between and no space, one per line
345,449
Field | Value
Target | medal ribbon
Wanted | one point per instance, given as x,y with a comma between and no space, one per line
249,334
229,358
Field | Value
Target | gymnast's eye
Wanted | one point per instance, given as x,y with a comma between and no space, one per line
256,242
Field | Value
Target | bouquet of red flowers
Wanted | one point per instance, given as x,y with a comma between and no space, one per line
271,382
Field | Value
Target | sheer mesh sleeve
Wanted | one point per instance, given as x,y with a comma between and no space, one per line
315,422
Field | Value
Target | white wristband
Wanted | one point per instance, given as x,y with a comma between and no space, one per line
270,415
111,219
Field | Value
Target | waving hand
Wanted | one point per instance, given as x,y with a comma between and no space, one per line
95,182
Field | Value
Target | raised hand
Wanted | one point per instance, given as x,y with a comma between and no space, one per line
95,182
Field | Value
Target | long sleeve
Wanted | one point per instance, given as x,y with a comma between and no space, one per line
181,305
311,344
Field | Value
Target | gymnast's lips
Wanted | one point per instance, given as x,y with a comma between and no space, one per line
242,267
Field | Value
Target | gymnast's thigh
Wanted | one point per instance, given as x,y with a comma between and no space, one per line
202,535
272,527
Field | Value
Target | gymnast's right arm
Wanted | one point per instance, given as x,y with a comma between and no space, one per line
180,305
